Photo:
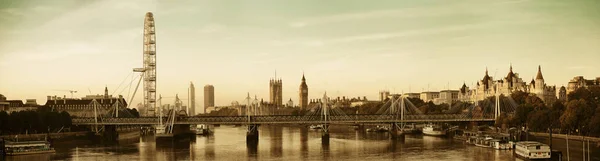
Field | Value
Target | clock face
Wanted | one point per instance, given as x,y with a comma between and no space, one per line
304,91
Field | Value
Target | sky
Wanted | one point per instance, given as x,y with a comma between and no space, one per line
344,47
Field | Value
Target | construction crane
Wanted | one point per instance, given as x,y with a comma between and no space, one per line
70,91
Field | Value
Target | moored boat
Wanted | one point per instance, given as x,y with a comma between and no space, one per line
471,140
315,127
500,144
483,141
203,129
532,150
378,129
434,130
27,147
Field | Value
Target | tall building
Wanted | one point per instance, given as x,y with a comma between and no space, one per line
275,92
209,96
303,94
192,100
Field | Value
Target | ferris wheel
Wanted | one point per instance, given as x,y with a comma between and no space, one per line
148,72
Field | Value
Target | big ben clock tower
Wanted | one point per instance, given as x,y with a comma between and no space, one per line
303,94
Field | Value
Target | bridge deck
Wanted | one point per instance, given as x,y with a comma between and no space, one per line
287,119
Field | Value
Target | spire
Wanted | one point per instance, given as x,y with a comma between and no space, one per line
510,75
303,79
105,91
486,71
539,73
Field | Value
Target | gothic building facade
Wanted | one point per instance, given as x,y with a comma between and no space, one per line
488,87
580,82
275,92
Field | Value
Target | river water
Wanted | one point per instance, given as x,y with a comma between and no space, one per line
284,143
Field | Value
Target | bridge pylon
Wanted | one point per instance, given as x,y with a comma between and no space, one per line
325,107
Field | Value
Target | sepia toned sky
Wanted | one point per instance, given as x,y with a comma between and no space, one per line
345,47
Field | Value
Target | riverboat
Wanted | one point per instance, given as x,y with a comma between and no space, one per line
316,127
27,147
532,150
434,130
202,129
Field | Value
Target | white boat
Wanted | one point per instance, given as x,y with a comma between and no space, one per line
484,141
433,130
202,129
314,127
27,147
471,140
500,144
378,129
532,150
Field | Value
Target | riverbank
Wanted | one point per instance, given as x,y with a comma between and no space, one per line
56,136
571,137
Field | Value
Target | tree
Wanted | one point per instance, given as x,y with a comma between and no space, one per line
539,120
519,97
577,115
535,102
4,122
521,114
65,119
595,123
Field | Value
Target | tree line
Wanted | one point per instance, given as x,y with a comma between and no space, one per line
43,120
579,114
33,122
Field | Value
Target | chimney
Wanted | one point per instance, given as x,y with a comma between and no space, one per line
49,98
65,99
54,99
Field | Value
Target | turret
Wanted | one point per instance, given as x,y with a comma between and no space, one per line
539,80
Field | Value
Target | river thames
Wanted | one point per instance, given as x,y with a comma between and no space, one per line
282,143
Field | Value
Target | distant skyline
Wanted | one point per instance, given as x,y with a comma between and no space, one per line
345,47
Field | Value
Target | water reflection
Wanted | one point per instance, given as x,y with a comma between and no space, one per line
325,151
276,141
280,143
252,150
209,148
304,143
173,150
